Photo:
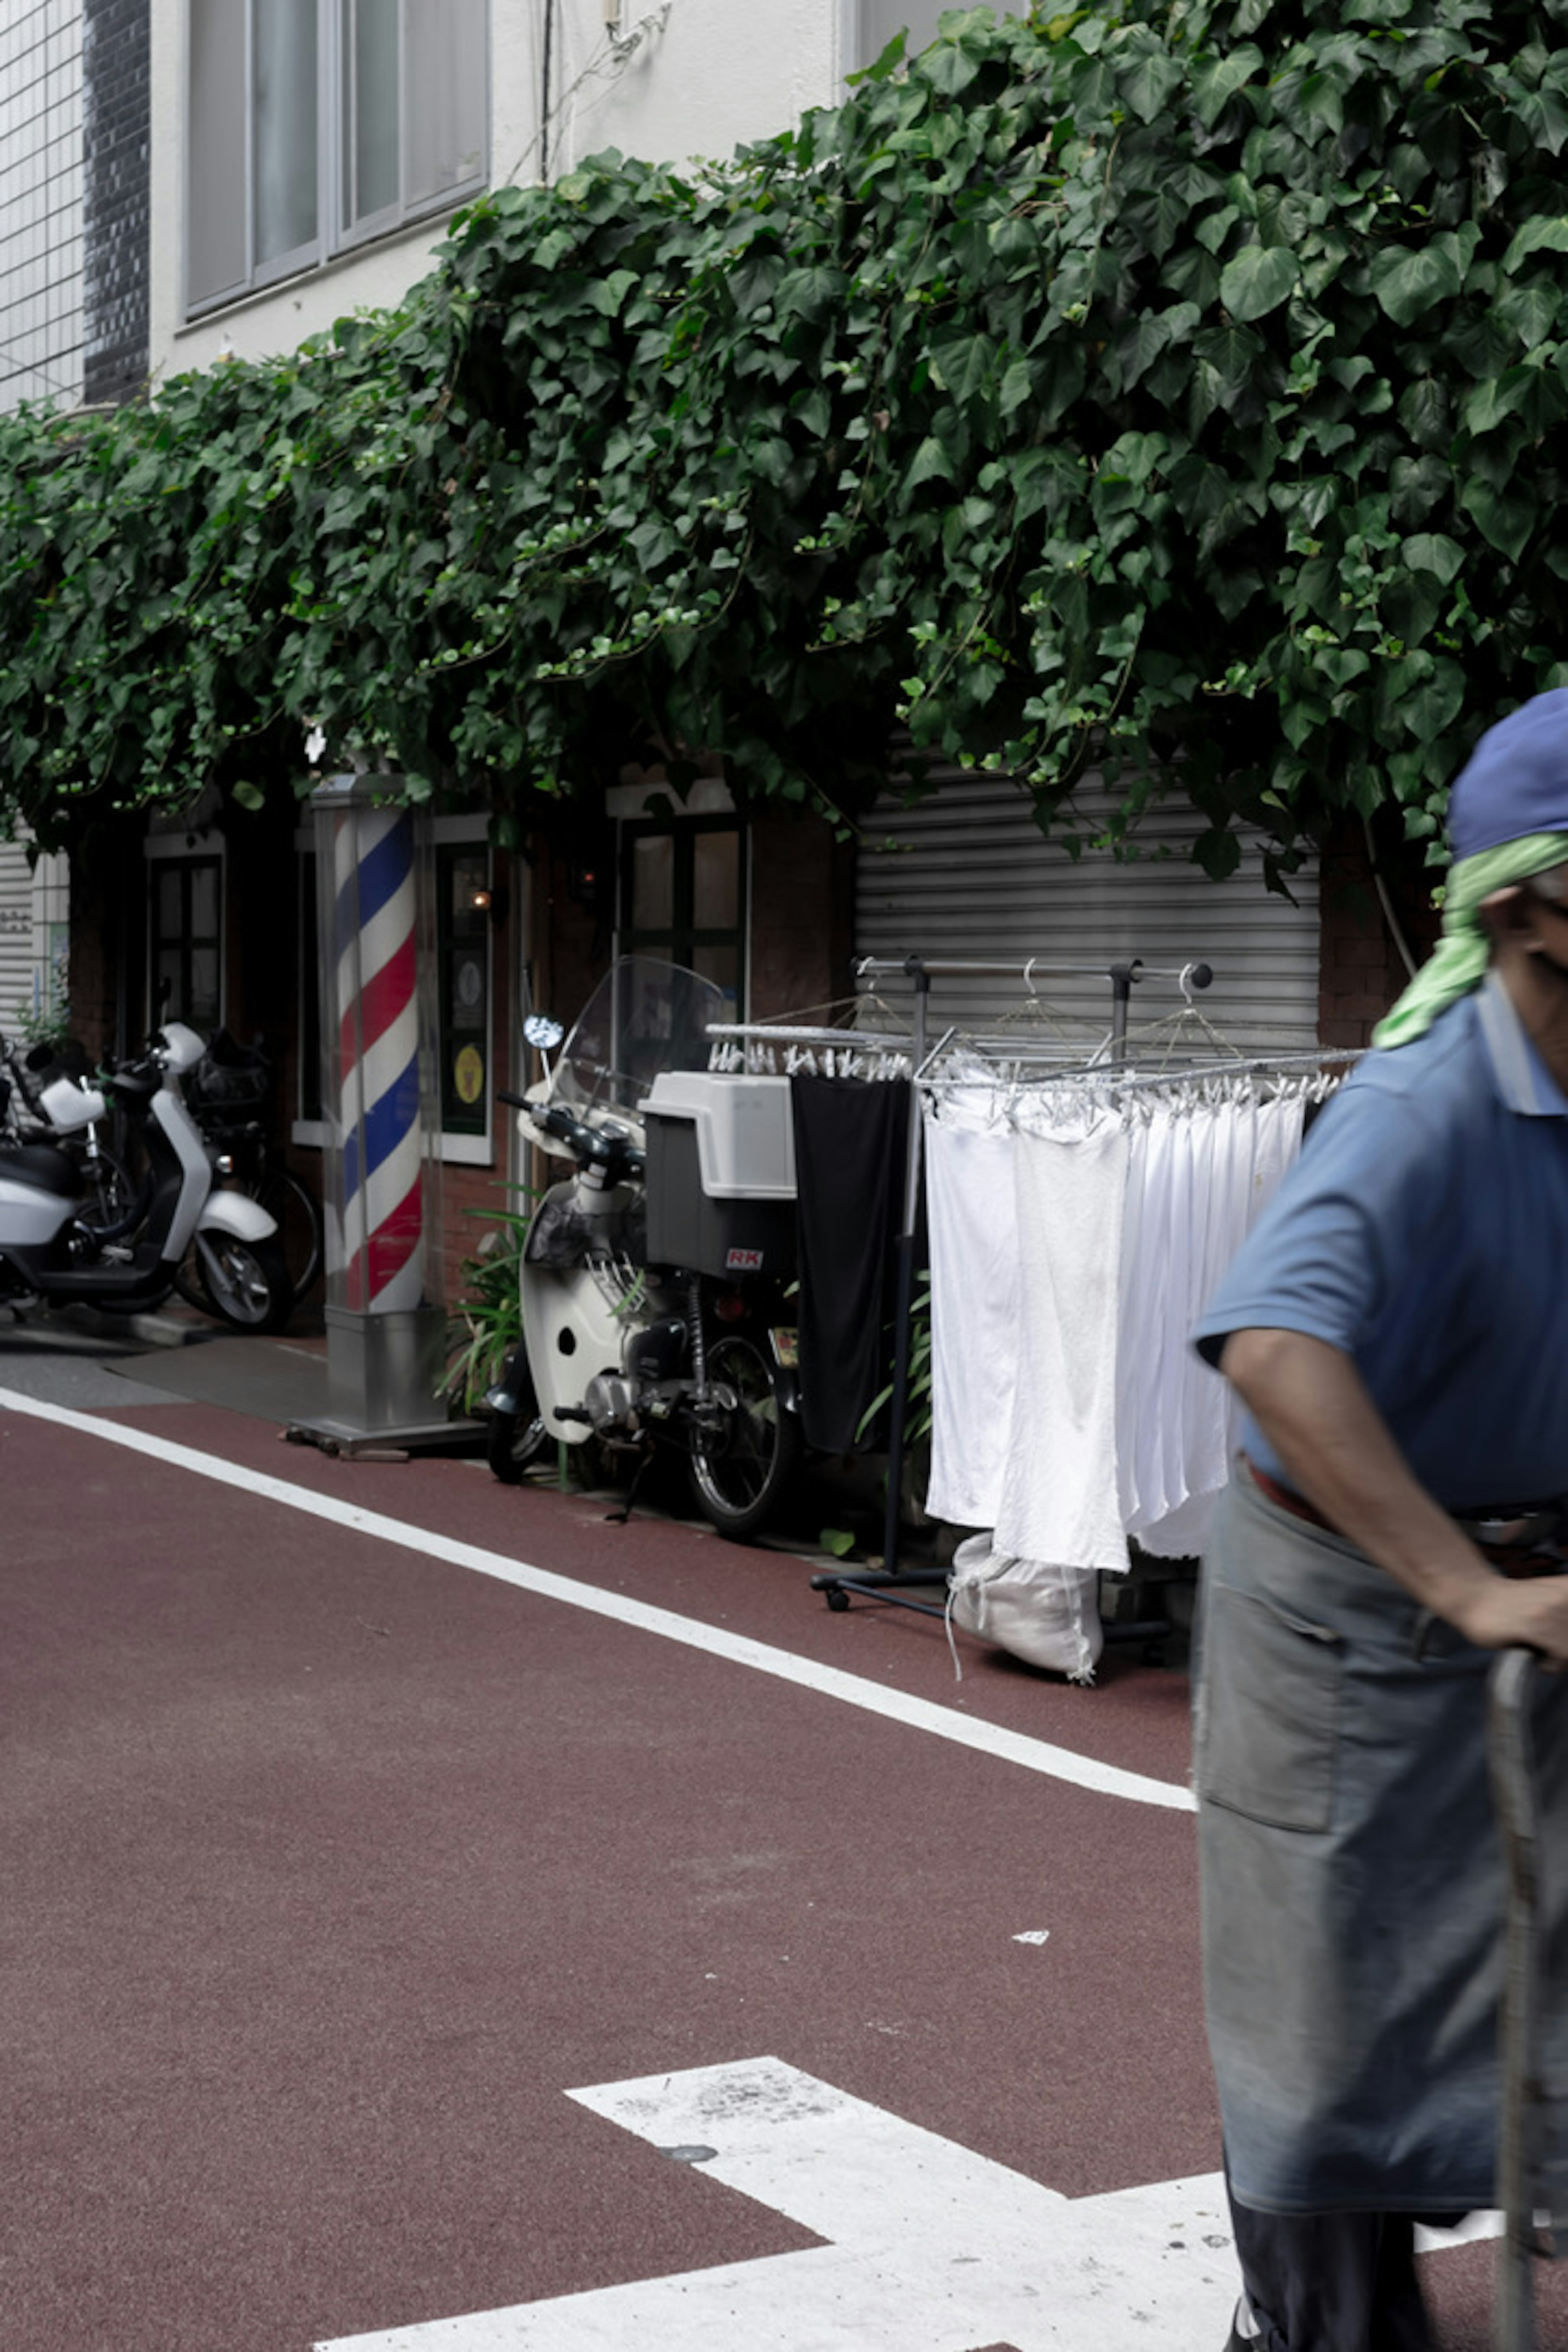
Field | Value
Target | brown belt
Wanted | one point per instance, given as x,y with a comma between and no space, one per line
1521,1553
1296,1504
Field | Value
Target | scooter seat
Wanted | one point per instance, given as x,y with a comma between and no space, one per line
41,1168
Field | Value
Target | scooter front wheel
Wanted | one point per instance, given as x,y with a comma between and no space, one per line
742,1460
514,1441
245,1284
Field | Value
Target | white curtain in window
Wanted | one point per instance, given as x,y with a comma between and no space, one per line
285,70
371,101
215,196
444,134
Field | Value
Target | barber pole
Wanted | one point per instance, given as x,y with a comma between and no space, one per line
378,1061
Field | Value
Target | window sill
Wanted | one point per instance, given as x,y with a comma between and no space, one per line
255,296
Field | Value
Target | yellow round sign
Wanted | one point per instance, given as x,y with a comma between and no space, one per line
469,1075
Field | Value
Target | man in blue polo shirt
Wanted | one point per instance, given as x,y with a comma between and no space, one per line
1396,1328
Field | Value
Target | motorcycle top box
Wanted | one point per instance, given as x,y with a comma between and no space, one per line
721,1174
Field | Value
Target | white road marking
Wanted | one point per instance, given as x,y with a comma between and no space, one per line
1033,1936
829,1682
930,2247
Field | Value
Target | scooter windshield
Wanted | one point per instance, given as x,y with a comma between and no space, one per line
645,1016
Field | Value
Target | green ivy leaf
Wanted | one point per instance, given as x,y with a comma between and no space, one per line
1431,552
1504,517
1258,279
1408,284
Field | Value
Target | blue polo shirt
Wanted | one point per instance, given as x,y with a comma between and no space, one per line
1425,1232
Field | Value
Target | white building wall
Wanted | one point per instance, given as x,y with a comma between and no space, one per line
667,80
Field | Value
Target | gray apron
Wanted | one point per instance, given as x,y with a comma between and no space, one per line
1352,1893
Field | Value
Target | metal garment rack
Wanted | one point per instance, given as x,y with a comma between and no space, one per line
889,1583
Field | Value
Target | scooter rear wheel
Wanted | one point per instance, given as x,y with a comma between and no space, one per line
245,1284
515,1440
741,1468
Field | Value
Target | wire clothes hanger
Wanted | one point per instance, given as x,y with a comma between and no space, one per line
919,971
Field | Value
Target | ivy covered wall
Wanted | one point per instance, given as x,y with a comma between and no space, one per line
1180,387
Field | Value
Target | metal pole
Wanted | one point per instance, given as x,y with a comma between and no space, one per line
1514,1795
1122,976
904,1305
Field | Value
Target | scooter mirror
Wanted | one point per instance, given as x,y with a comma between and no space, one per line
541,1030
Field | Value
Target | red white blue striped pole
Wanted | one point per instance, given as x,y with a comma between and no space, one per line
378,1060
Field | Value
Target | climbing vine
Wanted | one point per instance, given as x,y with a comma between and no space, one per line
1177,389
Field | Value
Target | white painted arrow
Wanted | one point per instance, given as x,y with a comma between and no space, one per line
932,2248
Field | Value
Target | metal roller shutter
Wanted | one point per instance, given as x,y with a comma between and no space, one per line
967,874
16,934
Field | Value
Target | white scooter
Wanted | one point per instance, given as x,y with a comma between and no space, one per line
649,1313
54,1253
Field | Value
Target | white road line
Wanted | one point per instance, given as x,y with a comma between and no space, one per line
930,2247
736,1649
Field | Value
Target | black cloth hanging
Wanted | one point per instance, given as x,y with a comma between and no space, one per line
850,1141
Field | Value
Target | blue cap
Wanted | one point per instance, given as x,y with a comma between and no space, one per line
1516,779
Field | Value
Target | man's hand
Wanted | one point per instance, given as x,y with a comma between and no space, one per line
1312,1405
1531,1611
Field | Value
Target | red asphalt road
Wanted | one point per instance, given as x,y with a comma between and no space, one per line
329,1868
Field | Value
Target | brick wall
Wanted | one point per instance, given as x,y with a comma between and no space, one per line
115,47
1361,970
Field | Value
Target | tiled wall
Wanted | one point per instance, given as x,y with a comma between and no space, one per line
41,201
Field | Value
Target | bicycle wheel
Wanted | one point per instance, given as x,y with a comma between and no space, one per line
292,1207
109,1198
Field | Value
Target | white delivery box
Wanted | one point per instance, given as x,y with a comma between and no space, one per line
720,1173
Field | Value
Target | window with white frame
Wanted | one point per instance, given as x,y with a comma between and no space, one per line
314,124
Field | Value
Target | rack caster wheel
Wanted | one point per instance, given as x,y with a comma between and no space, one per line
837,1599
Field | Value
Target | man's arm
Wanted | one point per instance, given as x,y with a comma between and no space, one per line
1312,1405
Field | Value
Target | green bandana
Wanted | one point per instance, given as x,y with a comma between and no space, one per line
1464,951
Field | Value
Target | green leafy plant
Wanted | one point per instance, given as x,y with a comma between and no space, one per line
45,1025
1179,388
488,1324
918,1394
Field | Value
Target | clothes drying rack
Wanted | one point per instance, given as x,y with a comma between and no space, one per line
890,1583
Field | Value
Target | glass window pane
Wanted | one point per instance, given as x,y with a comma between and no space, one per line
371,102
203,902
466,987
445,132
215,209
722,965
169,984
201,1011
170,916
716,881
464,946
309,1064
653,882
469,876
285,70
